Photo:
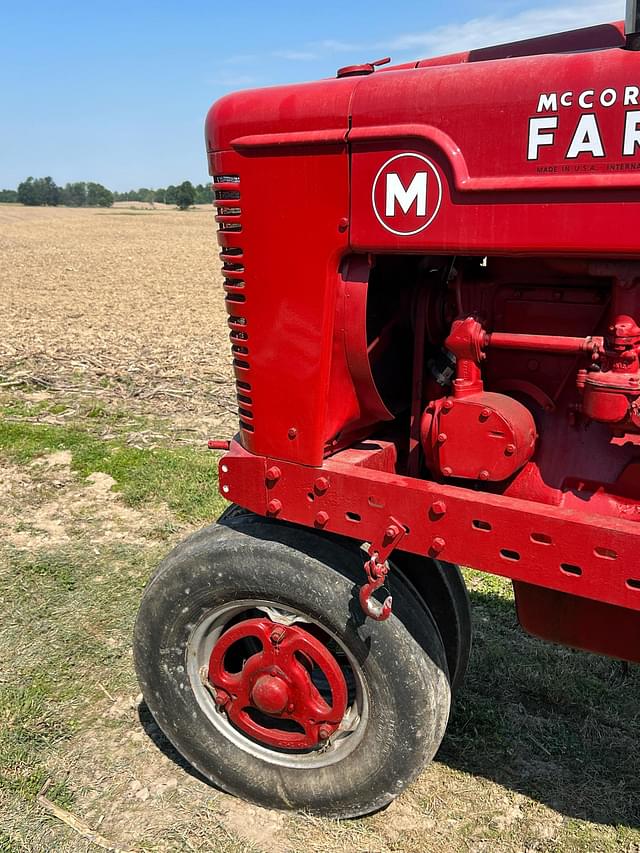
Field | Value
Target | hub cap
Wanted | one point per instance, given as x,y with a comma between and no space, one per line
278,684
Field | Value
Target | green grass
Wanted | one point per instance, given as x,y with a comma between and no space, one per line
186,479
69,633
72,608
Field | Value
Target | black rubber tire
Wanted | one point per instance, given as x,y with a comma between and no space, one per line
402,660
440,588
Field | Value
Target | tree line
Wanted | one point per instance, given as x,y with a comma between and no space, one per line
173,194
45,192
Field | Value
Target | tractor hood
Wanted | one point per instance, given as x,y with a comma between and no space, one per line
321,111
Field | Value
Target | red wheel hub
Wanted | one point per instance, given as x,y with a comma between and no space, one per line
270,694
276,682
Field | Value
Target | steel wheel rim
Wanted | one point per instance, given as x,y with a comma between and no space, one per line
200,646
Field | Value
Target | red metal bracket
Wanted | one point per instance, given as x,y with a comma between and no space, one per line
377,569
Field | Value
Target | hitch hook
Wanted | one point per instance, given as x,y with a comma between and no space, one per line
377,568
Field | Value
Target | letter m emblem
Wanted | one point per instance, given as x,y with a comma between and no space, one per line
415,193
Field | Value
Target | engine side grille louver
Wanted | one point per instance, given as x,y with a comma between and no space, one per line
227,199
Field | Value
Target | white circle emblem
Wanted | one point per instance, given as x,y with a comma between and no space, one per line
406,196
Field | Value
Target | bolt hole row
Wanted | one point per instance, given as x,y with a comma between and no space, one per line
541,539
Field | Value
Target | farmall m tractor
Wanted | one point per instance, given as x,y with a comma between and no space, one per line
432,276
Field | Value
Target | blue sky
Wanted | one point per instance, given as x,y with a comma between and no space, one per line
117,92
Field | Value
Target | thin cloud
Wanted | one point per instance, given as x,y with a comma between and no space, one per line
478,32
493,29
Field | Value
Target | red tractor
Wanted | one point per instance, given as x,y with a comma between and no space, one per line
432,276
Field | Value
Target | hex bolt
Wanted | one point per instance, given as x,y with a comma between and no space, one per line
447,471
438,544
274,506
509,450
293,432
447,405
321,485
442,437
438,508
484,474
484,414
391,532
322,518
273,474
324,732
276,637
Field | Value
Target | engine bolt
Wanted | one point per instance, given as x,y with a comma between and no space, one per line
442,437
274,507
447,471
484,474
321,485
273,474
484,414
510,449
322,518
391,532
324,732
276,637
447,405
438,544
438,508
292,433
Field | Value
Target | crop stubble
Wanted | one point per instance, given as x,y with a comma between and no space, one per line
122,304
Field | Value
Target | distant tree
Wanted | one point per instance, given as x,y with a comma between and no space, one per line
185,195
28,193
98,196
8,196
75,194
159,195
171,195
39,191
51,192
204,194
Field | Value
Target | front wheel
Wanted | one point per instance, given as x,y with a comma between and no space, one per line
257,664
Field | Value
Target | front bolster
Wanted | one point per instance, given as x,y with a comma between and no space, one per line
591,556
